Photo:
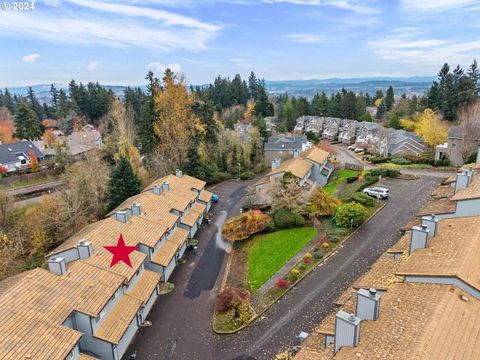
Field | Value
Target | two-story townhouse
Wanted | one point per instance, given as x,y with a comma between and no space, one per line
285,147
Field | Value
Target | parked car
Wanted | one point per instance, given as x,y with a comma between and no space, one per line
358,150
215,198
351,147
378,192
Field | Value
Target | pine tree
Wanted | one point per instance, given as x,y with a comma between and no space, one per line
389,98
263,107
27,124
8,101
123,183
381,110
194,165
253,85
146,135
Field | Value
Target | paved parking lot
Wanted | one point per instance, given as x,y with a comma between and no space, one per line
181,320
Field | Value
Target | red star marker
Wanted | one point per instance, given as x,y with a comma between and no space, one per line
121,252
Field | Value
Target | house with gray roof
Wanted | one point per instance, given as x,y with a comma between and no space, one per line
460,144
17,156
285,147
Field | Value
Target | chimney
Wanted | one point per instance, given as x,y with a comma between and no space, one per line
347,330
57,265
85,249
296,153
122,216
469,172
165,186
136,209
419,238
478,155
462,180
157,189
178,173
431,222
368,304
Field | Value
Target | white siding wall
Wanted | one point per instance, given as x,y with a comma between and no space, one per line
107,309
193,230
126,339
149,304
169,269
155,267
181,251
88,342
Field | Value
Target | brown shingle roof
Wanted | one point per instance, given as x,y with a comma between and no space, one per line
205,196
381,276
199,207
454,252
179,236
86,357
298,167
145,286
316,154
117,322
439,206
401,246
191,217
443,192
165,254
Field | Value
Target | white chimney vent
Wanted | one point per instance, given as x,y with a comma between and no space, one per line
462,181
165,186
419,238
368,304
347,330
57,265
85,249
296,153
431,222
469,172
157,189
136,209
478,155
122,216
179,173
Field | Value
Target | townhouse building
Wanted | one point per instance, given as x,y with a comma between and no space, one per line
83,308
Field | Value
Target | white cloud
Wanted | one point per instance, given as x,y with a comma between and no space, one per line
435,5
409,48
305,38
133,26
158,67
92,65
350,5
31,58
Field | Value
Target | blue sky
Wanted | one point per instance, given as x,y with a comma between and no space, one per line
117,41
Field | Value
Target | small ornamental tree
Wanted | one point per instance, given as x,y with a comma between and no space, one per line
231,298
324,203
350,214
3,169
245,225
281,283
33,161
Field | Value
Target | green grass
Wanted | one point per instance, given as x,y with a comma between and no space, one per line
269,252
28,182
337,178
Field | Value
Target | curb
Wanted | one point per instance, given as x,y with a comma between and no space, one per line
298,281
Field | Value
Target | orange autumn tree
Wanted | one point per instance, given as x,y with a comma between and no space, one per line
49,138
33,161
6,126
245,225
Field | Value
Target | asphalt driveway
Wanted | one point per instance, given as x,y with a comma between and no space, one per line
181,320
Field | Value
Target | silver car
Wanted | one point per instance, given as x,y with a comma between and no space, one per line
378,192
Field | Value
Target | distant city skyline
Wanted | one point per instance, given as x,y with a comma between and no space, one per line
117,42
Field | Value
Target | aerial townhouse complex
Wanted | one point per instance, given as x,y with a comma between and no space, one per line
81,308
421,298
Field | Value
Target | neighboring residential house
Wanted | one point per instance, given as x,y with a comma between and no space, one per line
16,156
403,143
270,122
458,146
285,147
332,128
310,168
312,123
82,305
419,300
348,132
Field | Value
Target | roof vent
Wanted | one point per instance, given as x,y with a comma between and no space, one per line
179,173
57,265
157,189
136,209
122,216
419,238
431,222
85,249
462,180
165,186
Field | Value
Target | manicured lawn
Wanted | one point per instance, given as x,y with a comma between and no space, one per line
337,178
269,252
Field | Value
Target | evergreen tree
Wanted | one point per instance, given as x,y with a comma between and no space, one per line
27,124
378,94
54,97
360,107
194,165
389,98
204,111
261,125
253,85
263,107
302,107
63,105
335,105
348,105
146,135
286,116
381,110
368,99
34,104
123,184
319,105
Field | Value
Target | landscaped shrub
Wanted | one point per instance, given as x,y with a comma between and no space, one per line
362,198
350,214
324,203
378,159
284,218
321,240
230,298
271,226
302,267
307,259
281,283
445,162
299,220
247,175
421,159
472,158
243,226
385,172
325,245
352,179
400,161
317,255
369,180
293,275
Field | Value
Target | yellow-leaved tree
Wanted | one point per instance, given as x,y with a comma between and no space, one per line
431,128
174,124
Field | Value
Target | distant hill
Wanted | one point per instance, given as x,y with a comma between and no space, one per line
411,85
